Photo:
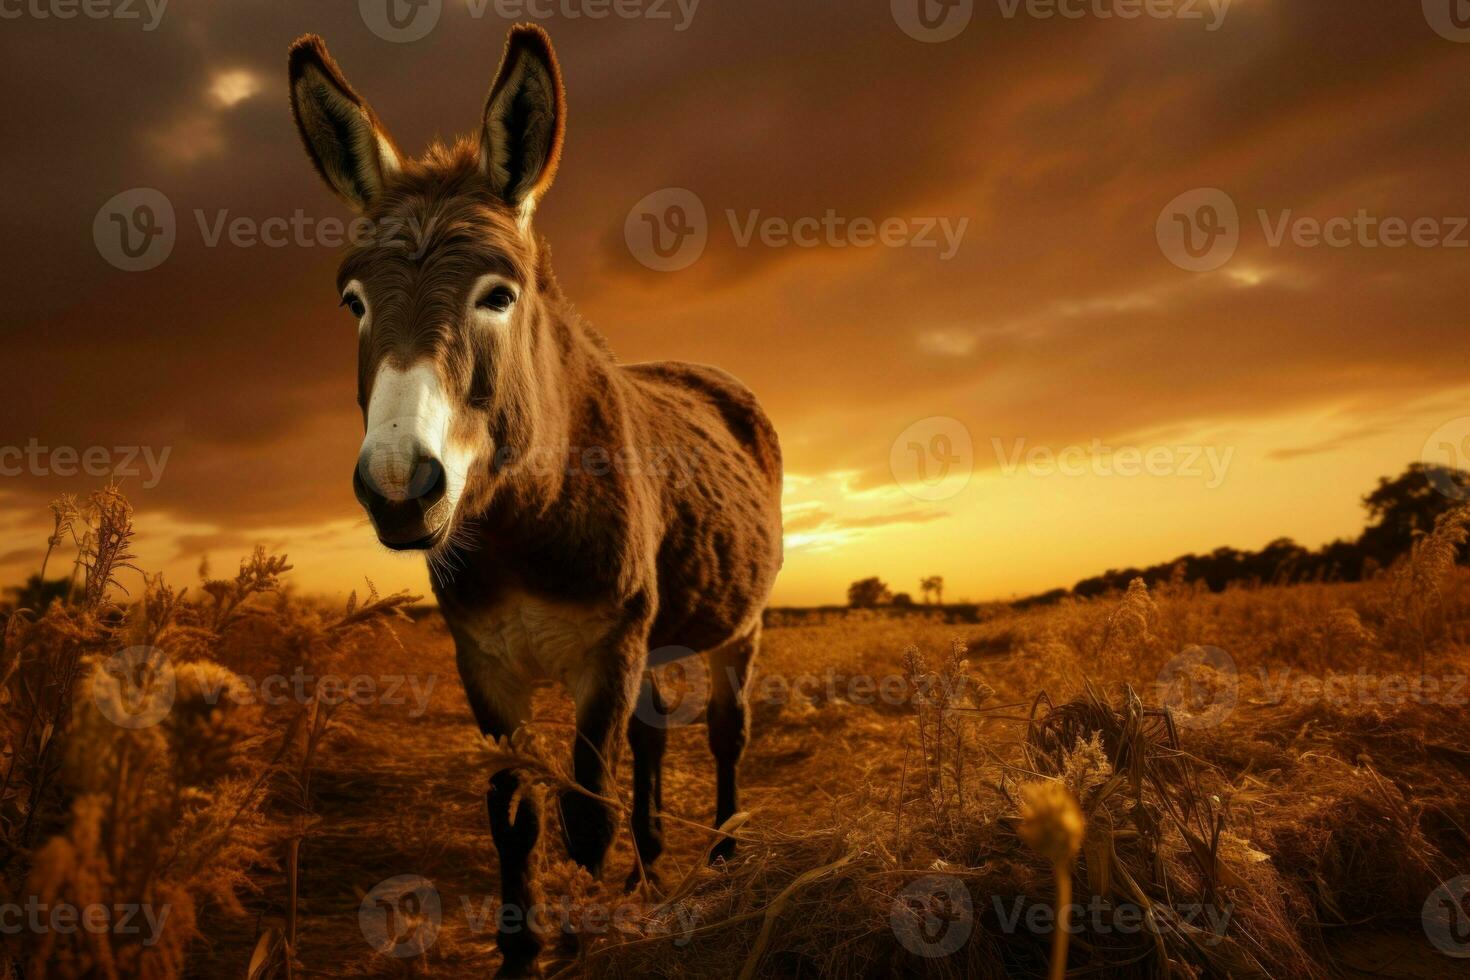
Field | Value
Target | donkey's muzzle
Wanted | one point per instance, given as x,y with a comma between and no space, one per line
403,489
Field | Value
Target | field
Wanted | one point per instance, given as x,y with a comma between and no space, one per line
916,792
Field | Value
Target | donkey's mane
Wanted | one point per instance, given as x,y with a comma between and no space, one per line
441,203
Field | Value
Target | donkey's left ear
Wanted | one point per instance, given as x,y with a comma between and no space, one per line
525,120
343,137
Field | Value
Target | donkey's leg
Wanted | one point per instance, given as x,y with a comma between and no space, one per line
648,734
604,699
729,725
500,707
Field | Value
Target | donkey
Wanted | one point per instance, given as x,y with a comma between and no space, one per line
505,442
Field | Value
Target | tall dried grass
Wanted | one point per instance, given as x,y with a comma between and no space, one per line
1292,817
1039,766
136,771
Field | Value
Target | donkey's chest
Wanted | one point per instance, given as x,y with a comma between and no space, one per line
536,638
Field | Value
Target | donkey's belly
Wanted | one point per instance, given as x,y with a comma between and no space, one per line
538,638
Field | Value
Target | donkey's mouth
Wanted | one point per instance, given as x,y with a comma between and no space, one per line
425,543
407,523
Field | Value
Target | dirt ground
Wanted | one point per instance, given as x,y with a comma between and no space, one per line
399,791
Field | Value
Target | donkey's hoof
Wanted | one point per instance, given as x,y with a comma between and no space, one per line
518,970
640,874
723,851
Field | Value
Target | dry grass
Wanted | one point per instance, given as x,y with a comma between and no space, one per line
928,804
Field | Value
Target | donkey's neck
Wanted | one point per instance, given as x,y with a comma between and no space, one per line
574,407
556,511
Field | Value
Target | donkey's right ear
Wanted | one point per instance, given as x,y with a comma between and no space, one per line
343,137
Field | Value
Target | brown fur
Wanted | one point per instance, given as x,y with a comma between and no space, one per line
555,529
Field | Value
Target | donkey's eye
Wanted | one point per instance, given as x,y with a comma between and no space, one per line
497,300
353,303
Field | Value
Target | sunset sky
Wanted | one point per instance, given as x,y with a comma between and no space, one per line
1263,396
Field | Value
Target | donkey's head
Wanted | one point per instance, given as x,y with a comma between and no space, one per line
447,283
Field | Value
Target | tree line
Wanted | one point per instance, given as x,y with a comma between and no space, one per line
1398,509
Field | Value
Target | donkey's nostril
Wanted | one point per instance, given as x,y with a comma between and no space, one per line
404,491
427,482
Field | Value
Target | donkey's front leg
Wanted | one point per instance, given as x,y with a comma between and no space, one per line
500,708
604,699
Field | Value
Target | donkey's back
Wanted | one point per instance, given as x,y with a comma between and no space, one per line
719,465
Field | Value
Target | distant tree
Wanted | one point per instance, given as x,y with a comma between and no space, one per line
932,586
1408,504
867,593
1398,510
903,599
35,594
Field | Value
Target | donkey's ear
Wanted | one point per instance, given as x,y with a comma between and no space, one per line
350,148
525,120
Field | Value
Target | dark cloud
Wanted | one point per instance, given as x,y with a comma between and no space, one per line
1058,320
